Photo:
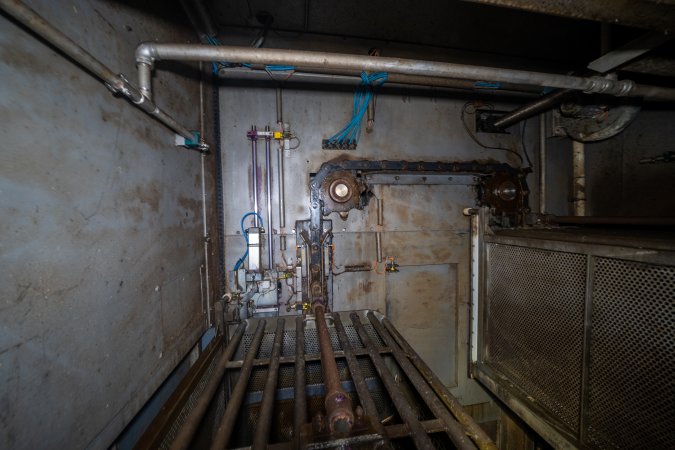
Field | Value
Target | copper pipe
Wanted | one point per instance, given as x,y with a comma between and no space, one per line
337,403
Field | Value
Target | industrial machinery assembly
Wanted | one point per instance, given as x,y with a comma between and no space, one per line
337,225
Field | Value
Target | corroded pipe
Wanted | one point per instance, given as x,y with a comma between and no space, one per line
337,403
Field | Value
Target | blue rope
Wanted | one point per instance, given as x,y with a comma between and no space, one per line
351,133
241,224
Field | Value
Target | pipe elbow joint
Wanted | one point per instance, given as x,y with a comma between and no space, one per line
146,53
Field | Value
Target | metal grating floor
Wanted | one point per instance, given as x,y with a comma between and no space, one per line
403,403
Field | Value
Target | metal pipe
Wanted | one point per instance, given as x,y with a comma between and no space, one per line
116,83
194,21
378,234
542,163
337,403
226,425
300,406
268,188
189,428
145,79
621,221
280,176
205,229
345,77
542,104
254,175
472,429
149,52
357,376
578,178
453,428
417,432
264,424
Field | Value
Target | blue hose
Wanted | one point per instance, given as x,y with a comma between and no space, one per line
241,260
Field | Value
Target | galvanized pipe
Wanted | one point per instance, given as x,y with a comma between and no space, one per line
264,424
116,83
226,425
357,376
254,175
280,175
145,79
378,234
194,419
453,428
578,178
149,52
300,406
540,105
473,430
337,403
268,188
417,432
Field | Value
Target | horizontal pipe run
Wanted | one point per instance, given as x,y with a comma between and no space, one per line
150,52
625,221
349,78
473,430
405,411
116,83
540,105
264,423
224,431
454,429
192,422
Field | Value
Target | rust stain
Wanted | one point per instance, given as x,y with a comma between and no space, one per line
190,204
148,195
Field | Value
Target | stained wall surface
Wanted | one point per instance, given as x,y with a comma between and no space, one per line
100,231
428,300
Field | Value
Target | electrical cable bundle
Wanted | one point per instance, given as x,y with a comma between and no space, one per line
224,64
348,136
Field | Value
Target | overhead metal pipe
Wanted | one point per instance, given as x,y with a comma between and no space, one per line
150,52
115,82
543,104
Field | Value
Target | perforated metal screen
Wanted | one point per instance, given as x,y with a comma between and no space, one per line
586,338
536,323
632,371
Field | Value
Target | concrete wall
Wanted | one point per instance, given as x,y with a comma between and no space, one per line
100,231
423,225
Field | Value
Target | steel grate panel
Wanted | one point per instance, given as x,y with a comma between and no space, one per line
632,381
535,324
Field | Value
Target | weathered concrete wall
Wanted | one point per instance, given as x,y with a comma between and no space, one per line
100,231
423,225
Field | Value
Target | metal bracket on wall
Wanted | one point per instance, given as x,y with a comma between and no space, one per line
342,185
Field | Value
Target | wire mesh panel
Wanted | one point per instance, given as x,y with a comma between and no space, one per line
536,324
632,371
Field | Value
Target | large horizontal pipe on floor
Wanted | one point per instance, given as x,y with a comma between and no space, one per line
150,52
339,412
197,413
455,431
116,83
405,411
473,430
621,221
224,431
264,424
